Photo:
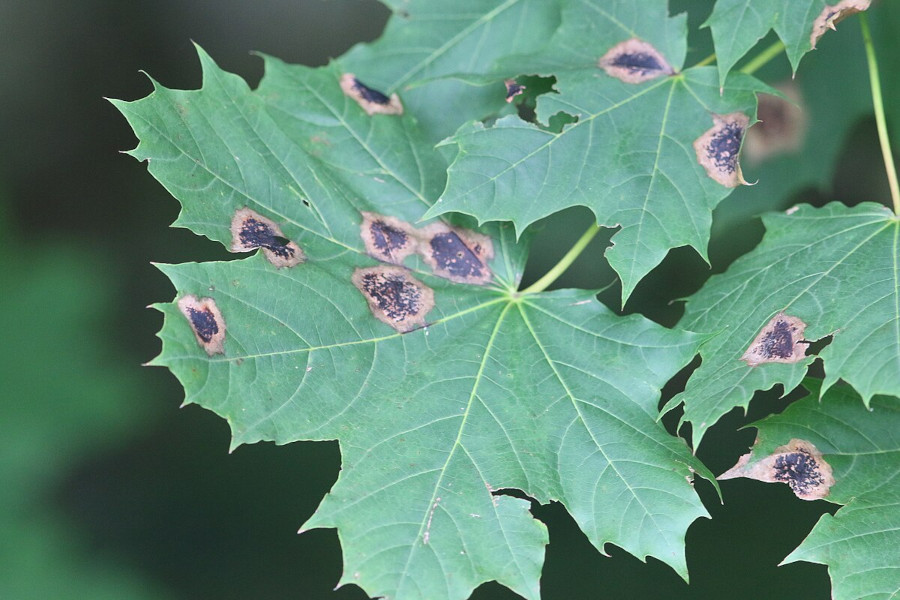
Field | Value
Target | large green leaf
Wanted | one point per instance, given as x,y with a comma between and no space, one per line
630,156
537,392
836,269
424,43
737,25
861,543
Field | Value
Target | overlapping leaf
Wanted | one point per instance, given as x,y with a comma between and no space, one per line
836,269
424,41
630,156
537,392
861,543
737,25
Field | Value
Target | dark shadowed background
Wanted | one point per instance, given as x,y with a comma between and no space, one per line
108,490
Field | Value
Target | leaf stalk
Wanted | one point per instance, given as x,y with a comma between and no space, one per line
564,263
878,103
761,59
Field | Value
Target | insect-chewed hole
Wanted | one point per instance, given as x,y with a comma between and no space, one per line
387,239
634,61
456,254
718,148
781,340
206,321
371,100
832,15
394,296
250,230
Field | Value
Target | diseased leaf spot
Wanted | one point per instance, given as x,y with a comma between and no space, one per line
457,254
371,100
513,89
634,61
387,239
718,148
831,15
798,463
206,322
394,296
781,340
781,127
250,230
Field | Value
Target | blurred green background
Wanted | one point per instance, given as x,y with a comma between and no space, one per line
108,490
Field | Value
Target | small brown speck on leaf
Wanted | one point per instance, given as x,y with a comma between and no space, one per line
717,149
394,296
831,15
634,61
456,254
371,100
387,239
513,89
250,230
781,340
206,322
781,127
798,463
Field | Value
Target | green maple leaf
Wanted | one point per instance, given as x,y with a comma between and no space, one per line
835,269
737,25
860,544
630,157
549,393
425,48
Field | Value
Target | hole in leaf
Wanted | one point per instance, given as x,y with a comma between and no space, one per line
206,322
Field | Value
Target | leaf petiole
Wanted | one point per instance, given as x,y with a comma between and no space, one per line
878,103
564,263
761,59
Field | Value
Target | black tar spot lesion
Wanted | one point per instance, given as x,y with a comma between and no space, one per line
635,61
394,296
781,340
250,230
457,254
513,89
718,148
831,15
206,322
798,463
387,239
371,100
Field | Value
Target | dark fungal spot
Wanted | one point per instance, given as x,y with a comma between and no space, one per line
718,148
781,127
387,239
371,100
634,61
799,470
394,296
798,463
206,322
457,254
513,89
781,340
250,230
832,15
